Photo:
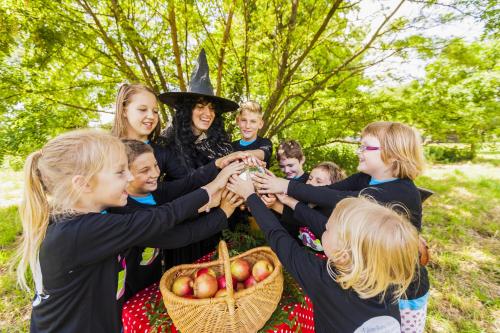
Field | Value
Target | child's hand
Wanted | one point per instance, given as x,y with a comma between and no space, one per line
244,188
229,202
268,183
215,199
226,160
272,202
269,200
251,160
287,200
224,174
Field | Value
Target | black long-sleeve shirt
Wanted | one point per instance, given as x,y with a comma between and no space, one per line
335,309
170,190
168,163
139,276
400,191
260,143
78,259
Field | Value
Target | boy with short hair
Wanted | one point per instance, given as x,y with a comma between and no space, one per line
291,160
145,265
249,120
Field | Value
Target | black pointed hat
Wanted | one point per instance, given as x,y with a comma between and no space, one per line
199,86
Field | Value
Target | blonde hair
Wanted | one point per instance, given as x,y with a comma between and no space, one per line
381,246
48,189
401,143
125,93
335,172
250,106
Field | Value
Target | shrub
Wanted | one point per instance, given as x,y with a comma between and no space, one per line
446,154
343,155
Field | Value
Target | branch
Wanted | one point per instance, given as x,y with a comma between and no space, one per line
77,106
321,84
313,41
223,48
311,92
175,45
204,25
279,86
279,89
245,56
109,42
330,142
134,40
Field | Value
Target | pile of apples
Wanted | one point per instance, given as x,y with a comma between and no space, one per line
205,283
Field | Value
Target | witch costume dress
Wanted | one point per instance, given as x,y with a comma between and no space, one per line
204,149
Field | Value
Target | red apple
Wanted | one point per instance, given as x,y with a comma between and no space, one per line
262,269
250,282
240,269
205,286
205,270
190,296
183,286
221,282
240,286
221,293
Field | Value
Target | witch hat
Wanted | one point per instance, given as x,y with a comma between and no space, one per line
199,86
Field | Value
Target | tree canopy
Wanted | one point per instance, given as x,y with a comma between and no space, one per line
303,60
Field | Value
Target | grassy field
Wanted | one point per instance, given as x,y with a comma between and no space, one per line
461,223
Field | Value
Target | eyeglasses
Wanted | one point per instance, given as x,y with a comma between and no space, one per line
363,148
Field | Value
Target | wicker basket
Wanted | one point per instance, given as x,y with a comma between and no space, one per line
237,312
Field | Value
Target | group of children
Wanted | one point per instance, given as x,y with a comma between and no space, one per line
98,221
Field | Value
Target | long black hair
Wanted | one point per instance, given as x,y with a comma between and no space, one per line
181,135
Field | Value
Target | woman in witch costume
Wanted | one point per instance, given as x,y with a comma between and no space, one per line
197,135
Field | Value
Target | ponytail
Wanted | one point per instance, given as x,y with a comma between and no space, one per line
34,211
49,192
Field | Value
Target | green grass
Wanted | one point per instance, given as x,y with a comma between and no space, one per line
15,305
461,223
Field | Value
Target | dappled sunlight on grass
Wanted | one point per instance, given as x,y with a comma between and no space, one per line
472,170
11,183
461,222
477,255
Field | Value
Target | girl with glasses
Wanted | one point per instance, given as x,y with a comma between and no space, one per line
390,158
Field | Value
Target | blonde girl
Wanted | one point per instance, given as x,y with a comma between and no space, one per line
390,158
70,244
137,118
372,254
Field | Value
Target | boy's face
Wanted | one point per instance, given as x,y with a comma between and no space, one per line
146,172
319,177
292,167
249,123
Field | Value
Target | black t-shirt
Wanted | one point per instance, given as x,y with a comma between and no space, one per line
139,274
144,264
260,143
302,179
294,228
335,309
401,191
169,163
79,264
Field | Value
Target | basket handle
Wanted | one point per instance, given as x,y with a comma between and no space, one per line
224,258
